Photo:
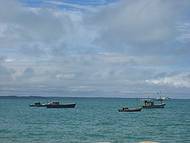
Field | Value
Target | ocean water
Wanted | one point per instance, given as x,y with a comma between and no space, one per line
94,120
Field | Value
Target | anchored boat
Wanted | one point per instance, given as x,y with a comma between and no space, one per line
56,104
37,104
150,104
126,109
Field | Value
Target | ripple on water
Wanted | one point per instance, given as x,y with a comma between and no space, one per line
148,142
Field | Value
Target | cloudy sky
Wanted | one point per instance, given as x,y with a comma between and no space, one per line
124,48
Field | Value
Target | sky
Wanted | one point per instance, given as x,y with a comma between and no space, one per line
117,48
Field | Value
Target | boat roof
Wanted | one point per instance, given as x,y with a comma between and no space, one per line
148,99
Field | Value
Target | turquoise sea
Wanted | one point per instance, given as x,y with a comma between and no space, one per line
93,120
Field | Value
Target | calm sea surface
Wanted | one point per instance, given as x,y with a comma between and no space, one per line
93,120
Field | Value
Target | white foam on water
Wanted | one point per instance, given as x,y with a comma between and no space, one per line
148,142
138,142
103,142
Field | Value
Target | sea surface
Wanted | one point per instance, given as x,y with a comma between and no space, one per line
94,120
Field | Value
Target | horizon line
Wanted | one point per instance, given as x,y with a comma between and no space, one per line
22,96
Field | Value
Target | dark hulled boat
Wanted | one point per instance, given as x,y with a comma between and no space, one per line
58,105
126,109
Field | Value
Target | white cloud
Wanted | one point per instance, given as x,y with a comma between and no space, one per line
184,29
9,60
136,23
179,80
70,5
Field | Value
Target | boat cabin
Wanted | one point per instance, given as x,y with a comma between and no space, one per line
54,103
148,103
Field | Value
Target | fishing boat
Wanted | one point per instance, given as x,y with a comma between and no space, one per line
56,104
126,109
150,104
37,104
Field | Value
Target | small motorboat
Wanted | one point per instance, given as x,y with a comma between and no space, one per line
37,104
56,104
126,109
